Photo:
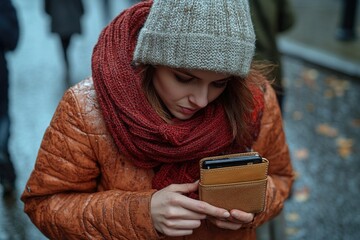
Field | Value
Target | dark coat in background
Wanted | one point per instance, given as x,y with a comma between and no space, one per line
65,16
9,36
271,17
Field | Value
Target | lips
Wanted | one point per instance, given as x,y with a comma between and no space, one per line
188,111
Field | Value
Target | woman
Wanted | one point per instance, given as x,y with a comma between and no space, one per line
171,84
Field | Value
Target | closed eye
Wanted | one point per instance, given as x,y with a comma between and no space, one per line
182,79
220,83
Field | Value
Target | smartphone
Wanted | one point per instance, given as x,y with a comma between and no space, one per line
232,161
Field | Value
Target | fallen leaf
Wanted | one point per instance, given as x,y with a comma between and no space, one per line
310,107
326,130
328,94
340,90
355,123
291,231
302,195
293,217
297,115
344,146
339,86
296,175
302,154
309,77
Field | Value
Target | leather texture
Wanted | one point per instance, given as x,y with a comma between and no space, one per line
237,187
83,187
233,174
245,196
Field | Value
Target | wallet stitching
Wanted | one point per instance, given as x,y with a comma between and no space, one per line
263,192
229,185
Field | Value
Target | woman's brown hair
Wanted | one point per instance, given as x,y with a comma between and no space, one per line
236,99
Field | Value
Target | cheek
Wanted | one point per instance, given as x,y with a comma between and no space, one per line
169,91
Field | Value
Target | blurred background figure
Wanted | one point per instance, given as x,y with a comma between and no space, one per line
9,36
346,29
65,21
271,17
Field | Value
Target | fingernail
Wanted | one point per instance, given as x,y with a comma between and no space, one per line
226,214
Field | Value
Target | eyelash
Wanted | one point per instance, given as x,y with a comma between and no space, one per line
221,84
182,80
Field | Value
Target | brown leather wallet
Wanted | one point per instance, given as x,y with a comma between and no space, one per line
240,187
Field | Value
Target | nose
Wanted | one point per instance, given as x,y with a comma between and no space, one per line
199,97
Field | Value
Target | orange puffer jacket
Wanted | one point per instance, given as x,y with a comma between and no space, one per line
82,187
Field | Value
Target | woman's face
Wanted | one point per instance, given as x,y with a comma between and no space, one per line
185,92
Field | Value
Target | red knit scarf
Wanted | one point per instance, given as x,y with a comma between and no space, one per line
138,131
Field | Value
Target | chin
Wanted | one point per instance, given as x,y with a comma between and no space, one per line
182,116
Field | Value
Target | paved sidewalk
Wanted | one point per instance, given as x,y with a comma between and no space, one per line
313,37
322,123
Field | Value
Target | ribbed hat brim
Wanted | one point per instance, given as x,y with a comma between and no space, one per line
195,51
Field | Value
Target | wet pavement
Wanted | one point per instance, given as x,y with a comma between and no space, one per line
313,36
322,117
322,123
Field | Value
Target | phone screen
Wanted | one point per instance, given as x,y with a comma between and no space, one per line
232,161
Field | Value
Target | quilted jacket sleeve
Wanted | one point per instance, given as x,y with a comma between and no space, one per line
272,145
61,196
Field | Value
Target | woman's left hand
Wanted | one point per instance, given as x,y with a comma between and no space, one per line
235,221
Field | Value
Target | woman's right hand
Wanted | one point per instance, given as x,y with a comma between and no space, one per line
174,214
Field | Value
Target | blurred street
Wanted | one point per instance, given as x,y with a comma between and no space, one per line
322,123
322,116
37,85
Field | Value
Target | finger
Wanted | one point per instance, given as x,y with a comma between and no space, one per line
187,214
225,224
228,225
182,224
205,208
195,205
234,220
241,216
173,207
184,188
176,232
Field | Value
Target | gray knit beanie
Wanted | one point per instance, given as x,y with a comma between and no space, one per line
214,35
